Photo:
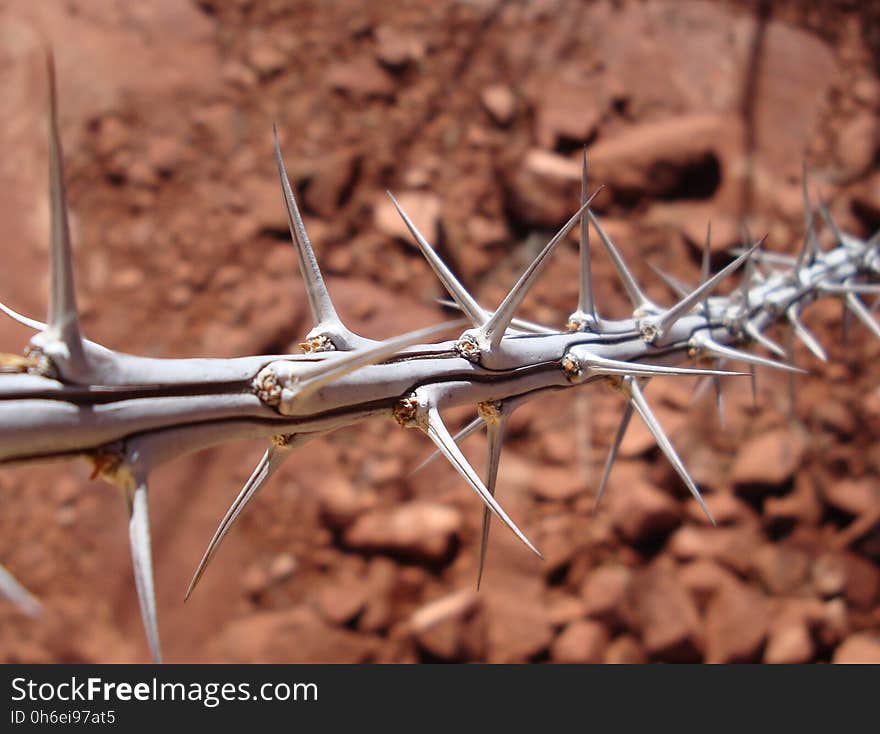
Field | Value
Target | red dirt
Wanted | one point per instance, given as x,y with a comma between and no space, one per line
475,112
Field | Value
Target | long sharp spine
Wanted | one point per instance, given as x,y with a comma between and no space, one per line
63,321
612,453
142,562
439,434
495,430
644,410
271,460
586,302
493,330
639,300
805,336
453,286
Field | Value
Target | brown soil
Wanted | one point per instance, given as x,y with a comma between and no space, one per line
474,113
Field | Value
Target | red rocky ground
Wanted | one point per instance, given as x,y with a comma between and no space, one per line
474,114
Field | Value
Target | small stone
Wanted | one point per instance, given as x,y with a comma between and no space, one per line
179,295
789,642
866,89
164,154
255,580
340,502
781,569
604,593
517,626
266,59
564,609
455,605
327,179
693,219
567,111
769,459
484,232
422,208
862,647
625,650
704,578
542,185
666,615
380,580
737,620
395,48
423,530
443,639
292,635
730,546
862,582
342,599
556,483
238,74
835,415
500,103
833,624
853,496
580,642
361,79
801,505
282,567
829,574
641,512
653,158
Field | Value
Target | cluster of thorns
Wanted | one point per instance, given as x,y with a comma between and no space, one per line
499,362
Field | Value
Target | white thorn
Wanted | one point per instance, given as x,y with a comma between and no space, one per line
792,394
438,433
769,258
721,350
747,276
753,375
323,312
470,428
707,254
142,562
644,410
866,289
830,223
334,367
272,459
453,286
63,321
493,330
719,401
23,320
863,314
586,304
771,346
612,453
668,318
811,245
495,431
638,299
805,336
674,284
11,589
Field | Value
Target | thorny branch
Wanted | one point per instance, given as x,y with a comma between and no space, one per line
69,397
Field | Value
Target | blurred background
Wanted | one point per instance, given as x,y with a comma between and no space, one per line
474,114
